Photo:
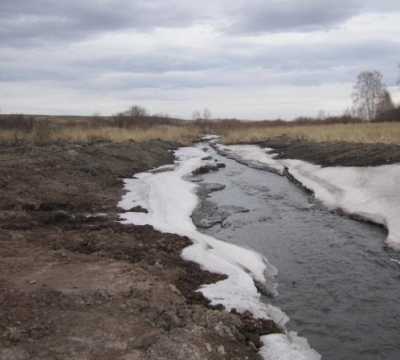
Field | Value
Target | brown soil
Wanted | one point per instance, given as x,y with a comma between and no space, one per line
335,154
76,284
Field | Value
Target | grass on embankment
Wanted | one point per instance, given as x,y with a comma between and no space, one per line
368,133
43,134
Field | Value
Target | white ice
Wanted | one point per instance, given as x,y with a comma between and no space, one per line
210,137
395,261
287,347
253,154
371,193
170,200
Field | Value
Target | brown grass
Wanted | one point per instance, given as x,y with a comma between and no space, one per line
181,134
387,133
47,130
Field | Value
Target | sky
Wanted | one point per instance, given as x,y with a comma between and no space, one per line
248,59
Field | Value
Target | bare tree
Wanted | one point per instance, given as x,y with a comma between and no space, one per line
136,111
348,112
398,80
368,92
207,114
196,115
321,115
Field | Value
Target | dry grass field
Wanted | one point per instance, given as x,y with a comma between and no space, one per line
120,130
43,134
367,133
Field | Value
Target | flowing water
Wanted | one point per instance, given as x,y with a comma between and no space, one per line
337,282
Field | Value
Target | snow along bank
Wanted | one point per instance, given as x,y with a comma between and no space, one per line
170,200
253,156
370,193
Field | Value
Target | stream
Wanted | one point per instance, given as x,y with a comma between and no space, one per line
337,282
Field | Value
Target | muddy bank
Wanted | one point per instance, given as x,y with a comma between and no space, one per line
76,284
335,154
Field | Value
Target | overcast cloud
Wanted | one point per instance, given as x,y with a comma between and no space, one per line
252,59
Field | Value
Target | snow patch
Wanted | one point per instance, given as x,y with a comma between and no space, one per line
210,137
287,347
371,193
395,261
253,155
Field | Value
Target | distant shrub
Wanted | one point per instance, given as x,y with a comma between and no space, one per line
389,116
23,123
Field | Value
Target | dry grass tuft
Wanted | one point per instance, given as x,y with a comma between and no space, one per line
386,133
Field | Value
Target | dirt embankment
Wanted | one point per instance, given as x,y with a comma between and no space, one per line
335,153
75,284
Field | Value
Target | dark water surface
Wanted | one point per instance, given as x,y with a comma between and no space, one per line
337,282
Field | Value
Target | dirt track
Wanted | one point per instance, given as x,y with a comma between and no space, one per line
75,284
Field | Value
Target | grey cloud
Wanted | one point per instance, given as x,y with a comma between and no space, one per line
30,23
153,63
260,16
300,65
24,23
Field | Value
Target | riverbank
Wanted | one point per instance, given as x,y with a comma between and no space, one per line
76,283
334,153
317,132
